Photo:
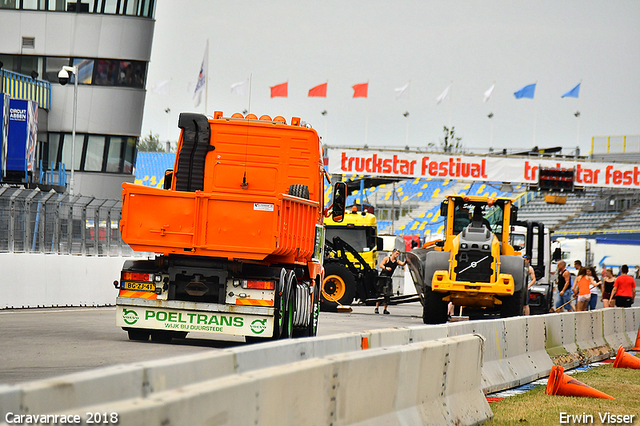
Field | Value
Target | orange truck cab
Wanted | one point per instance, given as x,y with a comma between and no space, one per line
237,232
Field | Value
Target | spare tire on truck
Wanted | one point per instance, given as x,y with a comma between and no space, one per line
301,191
338,287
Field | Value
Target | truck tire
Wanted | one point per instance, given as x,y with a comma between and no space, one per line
138,334
312,329
339,285
301,191
434,309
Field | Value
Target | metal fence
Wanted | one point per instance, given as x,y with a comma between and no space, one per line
33,221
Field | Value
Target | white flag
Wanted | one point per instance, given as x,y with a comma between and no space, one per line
403,92
239,88
443,95
202,77
161,88
488,93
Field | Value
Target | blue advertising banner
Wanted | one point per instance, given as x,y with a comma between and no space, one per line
21,146
4,131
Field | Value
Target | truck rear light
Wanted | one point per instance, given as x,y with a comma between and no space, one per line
259,285
137,276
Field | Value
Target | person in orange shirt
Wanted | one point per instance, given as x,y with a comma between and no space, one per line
624,289
582,288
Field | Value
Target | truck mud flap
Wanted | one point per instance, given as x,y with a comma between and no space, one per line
195,145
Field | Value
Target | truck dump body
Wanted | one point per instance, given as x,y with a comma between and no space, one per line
243,209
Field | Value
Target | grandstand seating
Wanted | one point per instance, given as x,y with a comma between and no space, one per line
150,168
631,220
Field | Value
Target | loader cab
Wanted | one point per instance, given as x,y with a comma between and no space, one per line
462,211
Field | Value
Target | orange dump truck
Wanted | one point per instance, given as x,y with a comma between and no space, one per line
238,231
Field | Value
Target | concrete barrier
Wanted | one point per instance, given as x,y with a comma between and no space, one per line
561,339
632,321
589,339
49,280
431,383
516,351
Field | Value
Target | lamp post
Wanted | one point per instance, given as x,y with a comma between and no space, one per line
63,78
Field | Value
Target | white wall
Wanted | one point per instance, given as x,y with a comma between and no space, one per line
44,280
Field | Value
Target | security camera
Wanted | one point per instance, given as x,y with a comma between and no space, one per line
63,77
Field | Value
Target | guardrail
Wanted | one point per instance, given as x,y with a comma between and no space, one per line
404,375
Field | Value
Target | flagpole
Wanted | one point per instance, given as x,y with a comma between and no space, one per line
206,80
450,103
535,120
578,130
249,104
491,137
366,121
407,138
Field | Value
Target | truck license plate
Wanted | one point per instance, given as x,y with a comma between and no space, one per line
139,286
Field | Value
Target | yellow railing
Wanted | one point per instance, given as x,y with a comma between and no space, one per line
615,144
595,231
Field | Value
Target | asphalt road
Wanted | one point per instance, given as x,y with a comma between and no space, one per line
42,343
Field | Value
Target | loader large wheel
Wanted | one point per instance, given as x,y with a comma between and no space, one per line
434,309
513,306
338,286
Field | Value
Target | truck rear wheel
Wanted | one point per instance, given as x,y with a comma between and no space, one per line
338,287
138,334
434,309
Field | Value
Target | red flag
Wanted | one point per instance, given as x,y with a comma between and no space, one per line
320,91
279,90
360,90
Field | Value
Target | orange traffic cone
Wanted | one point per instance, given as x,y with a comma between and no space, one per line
637,346
625,360
562,384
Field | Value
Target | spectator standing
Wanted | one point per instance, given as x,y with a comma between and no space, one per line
531,277
624,289
385,283
595,289
607,283
582,288
563,282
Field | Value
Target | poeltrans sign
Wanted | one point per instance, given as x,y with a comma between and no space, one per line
403,164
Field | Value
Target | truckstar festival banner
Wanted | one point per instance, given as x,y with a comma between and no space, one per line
403,164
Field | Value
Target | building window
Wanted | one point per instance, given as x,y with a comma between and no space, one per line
95,153
143,8
54,144
53,67
85,70
67,143
98,72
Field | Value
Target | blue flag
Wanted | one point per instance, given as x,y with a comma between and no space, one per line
526,92
573,93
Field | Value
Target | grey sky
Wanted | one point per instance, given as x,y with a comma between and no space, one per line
431,43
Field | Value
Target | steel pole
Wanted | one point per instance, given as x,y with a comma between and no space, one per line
73,128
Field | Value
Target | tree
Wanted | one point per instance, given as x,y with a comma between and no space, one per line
451,143
151,143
